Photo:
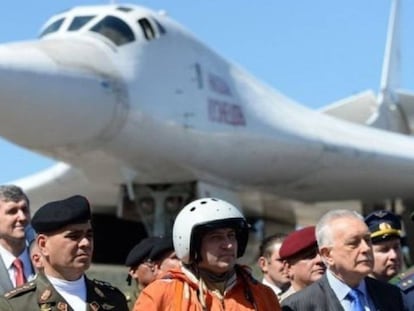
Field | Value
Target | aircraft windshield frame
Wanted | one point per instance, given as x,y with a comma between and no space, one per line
110,26
115,29
53,27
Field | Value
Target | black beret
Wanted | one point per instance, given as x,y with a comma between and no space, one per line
383,225
161,248
297,242
141,252
57,214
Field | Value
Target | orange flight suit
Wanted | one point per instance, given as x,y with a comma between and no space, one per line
178,291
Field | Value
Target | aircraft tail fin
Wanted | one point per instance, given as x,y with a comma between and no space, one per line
389,115
391,68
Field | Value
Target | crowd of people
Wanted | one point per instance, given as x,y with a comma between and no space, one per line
344,262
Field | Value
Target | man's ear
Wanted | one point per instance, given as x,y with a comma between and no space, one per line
41,240
262,263
325,253
287,267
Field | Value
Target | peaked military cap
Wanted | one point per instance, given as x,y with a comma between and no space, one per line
383,225
57,214
141,252
161,248
298,242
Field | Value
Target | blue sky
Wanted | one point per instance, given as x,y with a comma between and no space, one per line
315,52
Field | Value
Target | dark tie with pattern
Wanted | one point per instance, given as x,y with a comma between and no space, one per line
356,298
18,272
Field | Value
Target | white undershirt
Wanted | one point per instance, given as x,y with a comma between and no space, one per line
74,292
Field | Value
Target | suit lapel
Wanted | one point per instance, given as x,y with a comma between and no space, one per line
5,282
332,301
377,296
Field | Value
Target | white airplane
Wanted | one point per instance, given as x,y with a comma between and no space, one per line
143,117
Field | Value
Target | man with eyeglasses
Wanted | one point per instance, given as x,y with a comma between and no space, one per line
299,251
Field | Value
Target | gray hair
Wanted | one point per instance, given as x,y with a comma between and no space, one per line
323,228
13,193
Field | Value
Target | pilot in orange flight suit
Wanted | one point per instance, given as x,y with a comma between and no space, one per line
209,234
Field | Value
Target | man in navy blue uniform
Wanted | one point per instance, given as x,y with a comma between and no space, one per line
385,228
406,283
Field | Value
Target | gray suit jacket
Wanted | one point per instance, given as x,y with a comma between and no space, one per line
319,296
5,282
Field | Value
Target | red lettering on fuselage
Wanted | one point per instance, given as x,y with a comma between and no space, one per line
223,112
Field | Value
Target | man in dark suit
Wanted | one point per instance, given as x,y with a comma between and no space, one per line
345,246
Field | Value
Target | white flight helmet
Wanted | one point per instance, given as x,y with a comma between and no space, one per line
204,215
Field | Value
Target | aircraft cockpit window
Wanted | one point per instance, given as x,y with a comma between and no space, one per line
79,21
147,28
52,27
115,30
161,28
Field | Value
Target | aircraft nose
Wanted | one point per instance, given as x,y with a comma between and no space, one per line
51,94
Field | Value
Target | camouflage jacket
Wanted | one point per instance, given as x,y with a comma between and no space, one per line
40,294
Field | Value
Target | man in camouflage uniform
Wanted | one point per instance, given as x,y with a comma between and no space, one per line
65,241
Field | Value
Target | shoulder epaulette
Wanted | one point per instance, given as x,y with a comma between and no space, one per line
406,283
21,289
103,283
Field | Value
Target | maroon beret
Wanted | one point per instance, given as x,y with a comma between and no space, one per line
298,241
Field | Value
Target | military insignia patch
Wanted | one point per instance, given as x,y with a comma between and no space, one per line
45,295
62,306
45,307
380,213
94,306
385,226
105,306
99,292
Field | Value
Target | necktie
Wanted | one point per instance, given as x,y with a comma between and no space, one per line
18,272
356,298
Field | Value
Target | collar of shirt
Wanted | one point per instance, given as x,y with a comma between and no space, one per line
275,289
341,290
8,259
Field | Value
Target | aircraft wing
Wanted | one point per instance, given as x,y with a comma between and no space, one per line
357,108
62,180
